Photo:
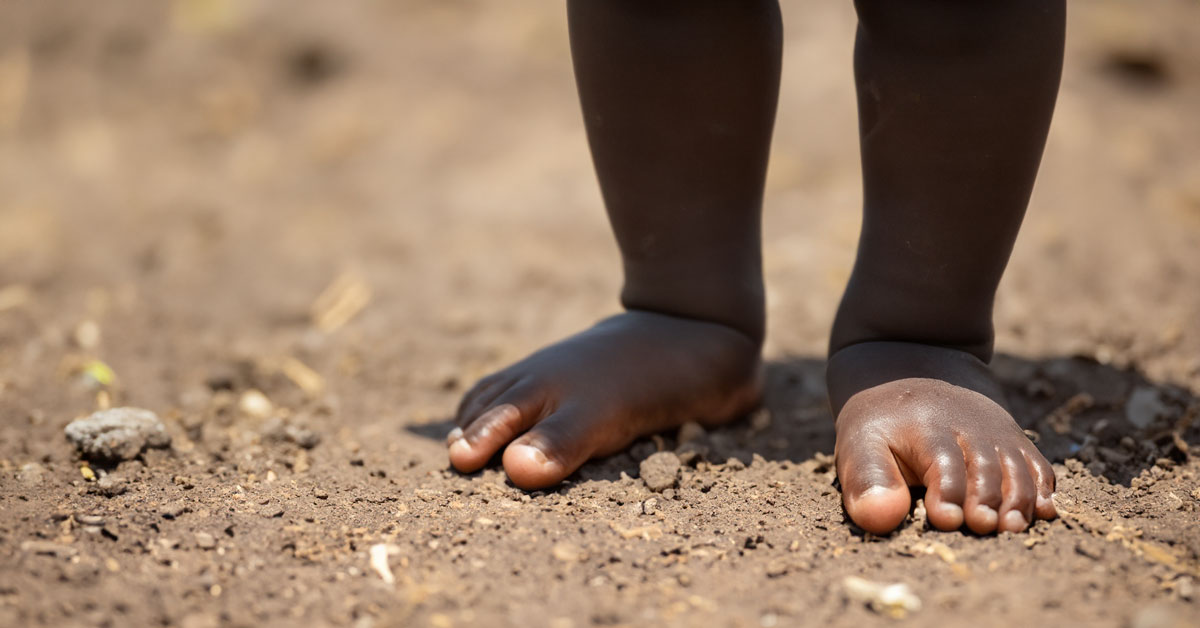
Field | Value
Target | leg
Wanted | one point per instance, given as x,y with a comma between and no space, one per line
955,100
678,100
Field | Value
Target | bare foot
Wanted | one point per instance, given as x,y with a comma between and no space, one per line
594,393
918,415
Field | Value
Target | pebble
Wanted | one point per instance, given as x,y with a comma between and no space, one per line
893,600
117,434
320,493
567,552
649,506
90,520
660,471
108,486
254,403
205,541
172,510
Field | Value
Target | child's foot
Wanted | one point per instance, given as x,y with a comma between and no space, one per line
919,415
594,393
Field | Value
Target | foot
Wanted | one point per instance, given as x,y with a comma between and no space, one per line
593,394
918,415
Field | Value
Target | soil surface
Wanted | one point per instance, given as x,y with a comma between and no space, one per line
299,231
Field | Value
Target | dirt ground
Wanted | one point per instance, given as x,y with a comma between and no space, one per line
299,231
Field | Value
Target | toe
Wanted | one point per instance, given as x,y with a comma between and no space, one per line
981,508
479,398
1043,478
873,488
552,449
1016,509
513,412
946,483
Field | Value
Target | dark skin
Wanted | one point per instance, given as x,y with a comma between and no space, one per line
955,100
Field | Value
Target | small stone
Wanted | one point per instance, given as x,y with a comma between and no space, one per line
734,464
117,434
777,567
892,600
320,493
205,541
660,471
89,520
108,486
172,510
254,403
271,512
649,506
567,552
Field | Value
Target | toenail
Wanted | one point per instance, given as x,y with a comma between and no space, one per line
1014,521
454,435
460,447
986,513
951,510
539,455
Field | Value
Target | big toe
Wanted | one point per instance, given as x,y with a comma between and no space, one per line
552,450
879,509
873,489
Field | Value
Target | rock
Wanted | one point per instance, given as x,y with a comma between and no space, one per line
108,486
893,600
205,541
660,471
291,432
378,555
117,434
1143,407
172,510
649,506
254,403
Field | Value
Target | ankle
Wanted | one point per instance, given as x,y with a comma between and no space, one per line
886,314
741,309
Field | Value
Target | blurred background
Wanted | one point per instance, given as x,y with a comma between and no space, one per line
190,175
357,208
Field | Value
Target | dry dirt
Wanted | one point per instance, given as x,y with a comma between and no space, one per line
298,231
